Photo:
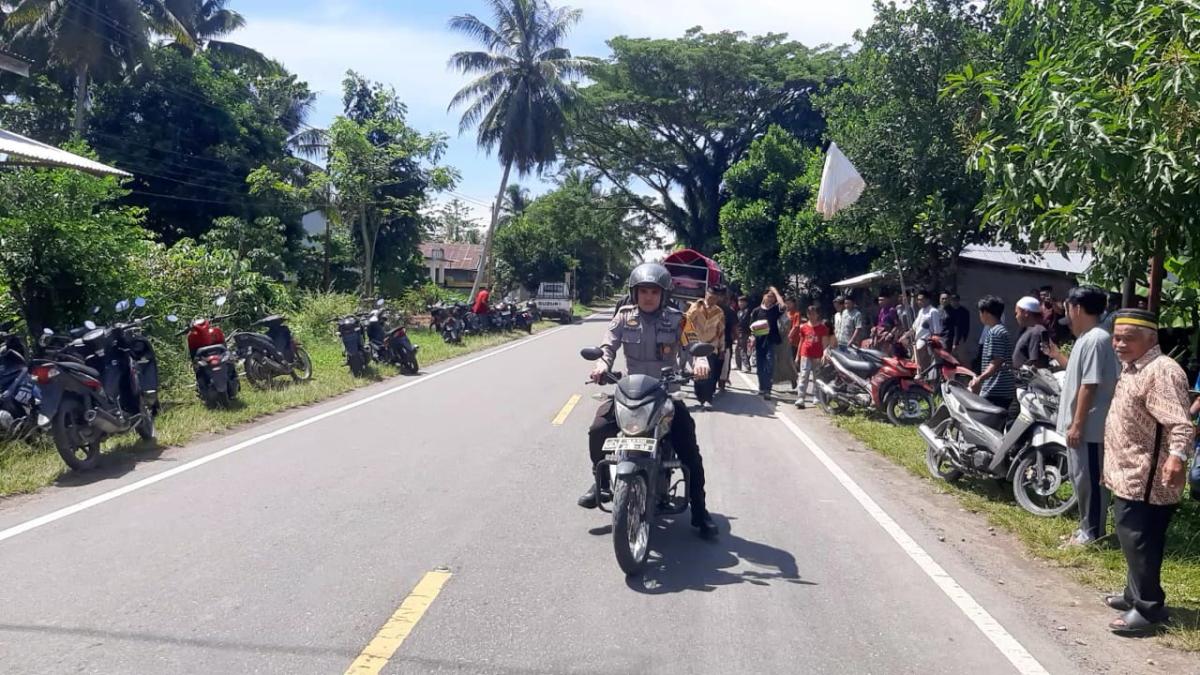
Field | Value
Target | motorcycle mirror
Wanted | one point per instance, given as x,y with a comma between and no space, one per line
96,309
220,301
701,349
89,324
591,353
379,302
122,306
139,301
47,331
171,318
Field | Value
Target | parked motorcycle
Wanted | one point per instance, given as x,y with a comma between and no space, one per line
967,436
641,461
351,331
114,390
213,364
944,366
20,398
870,380
274,354
391,345
534,311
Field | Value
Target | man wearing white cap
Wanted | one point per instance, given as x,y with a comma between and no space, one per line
1033,334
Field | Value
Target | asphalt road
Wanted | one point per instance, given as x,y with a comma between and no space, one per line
288,553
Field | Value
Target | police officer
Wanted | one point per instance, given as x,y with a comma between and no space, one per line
649,331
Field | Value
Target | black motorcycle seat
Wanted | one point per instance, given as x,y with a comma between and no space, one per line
266,321
871,355
79,368
860,368
975,403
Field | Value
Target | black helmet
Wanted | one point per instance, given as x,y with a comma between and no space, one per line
651,274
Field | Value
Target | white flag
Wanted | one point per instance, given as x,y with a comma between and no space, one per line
841,185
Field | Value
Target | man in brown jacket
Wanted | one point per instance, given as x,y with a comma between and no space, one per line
1148,440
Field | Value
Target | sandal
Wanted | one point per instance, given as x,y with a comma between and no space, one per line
1118,602
1133,624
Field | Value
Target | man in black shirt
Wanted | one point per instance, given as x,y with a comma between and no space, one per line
1033,334
956,326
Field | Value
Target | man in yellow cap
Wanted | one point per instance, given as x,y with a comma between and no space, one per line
1148,441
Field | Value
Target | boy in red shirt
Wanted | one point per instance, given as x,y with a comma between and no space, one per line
814,339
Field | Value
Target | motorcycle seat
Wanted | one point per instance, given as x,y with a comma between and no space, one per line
79,368
871,355
975,403
210,350
860,368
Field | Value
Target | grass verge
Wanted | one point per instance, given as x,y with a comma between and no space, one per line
25,467
1101,567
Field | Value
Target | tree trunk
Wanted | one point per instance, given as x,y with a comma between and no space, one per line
81,96
368,281
487,242
1128,289
326,282
1154,302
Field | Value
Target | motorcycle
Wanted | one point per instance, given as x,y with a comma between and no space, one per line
20,398
113,390
273,354
944,366
391,345
521,318
534,311
350,331
213,364
967,436
870,380
640,460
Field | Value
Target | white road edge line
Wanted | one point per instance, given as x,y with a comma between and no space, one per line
1014,651
200,461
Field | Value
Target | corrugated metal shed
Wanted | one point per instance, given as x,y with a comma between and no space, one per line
1051,260
17,150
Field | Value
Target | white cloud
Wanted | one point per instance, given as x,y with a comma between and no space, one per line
813,22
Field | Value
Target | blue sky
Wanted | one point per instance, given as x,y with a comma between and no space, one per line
405,43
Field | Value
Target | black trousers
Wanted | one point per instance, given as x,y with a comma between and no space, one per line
707,387
1142,531
683,439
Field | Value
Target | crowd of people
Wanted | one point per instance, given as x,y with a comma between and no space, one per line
1124,407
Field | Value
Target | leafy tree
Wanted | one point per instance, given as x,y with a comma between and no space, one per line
255,246
95,39
1094,141
36,106
675,114
520,98
382,171
453,223
578,227
907,140
65,243
191,132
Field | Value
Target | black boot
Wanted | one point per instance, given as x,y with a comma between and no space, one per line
589,499
704,523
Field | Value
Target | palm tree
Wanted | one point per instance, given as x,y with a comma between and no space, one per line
206,20
523,90
516,200
95,39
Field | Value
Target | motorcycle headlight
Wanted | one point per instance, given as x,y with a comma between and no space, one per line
634,421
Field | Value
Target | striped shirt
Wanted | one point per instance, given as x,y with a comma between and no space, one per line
997,344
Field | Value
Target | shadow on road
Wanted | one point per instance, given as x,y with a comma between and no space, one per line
116,463
681,561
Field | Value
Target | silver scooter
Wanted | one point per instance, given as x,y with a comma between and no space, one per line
967,435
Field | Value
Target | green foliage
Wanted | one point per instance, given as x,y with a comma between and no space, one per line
382,171
577,227
908,141
35,106
453,223
677,113
256,246
1094,139
65,244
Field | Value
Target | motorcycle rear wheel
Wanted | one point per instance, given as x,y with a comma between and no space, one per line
910,407
829,406
1051,494
302,369
256,373
358,364
409,365
65,430
631,524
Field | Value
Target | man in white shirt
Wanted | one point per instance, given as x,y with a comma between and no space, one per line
928,323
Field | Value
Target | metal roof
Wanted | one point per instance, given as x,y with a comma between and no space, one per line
861,280
1050,260
17,150
458,256
14,63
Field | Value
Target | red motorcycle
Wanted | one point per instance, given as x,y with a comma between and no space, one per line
865,379
944,366
214,364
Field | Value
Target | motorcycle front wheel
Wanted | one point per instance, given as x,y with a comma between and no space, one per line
302,370
409,365
631,524
145,425
1044,487
357,363
68,424
830,406
256,373
940,466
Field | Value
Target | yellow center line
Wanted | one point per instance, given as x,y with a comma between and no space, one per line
566,410
389,638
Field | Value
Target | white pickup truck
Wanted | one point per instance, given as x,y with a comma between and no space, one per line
553,300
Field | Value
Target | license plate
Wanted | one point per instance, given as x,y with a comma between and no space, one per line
623,445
